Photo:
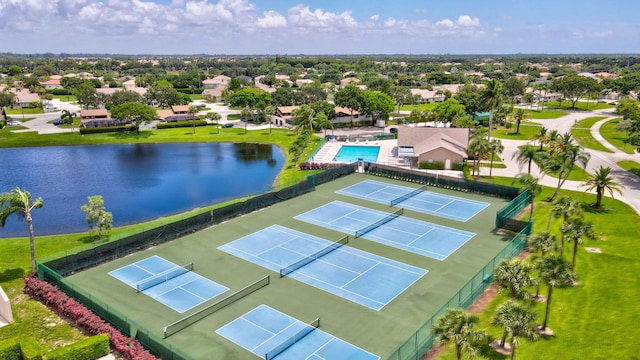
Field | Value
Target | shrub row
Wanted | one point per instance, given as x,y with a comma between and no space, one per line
107,129
25,348
83,318
316,166
94,347
178,124
432,165
60,92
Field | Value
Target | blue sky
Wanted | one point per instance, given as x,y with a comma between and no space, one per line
319,27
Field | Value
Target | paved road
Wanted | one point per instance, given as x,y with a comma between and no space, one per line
631,193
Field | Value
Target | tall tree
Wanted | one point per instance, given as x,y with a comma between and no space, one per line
526,154
67,117
564,157
576,229
350,97
215,118
545,243
529,182
513,88
459,327
555,272
541,136
601,180
566,208
575,87
495,147
518,116
517,321
98,218
378,105
491,100
305,118
448,111
514,276
193,111
324,122
20,203
401,95
134,112
251,98
86,94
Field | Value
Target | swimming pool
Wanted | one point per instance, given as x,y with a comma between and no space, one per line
349,153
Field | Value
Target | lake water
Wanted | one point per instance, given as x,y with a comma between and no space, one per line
138,182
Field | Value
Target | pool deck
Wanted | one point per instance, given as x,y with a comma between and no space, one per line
386,156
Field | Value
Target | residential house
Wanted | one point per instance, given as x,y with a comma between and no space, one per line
95,118
176,113
349,80
343,115
24,98
213,87
51,84
283,116
426,144
427,96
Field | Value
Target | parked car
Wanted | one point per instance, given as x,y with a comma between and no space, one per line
202,105
227,125
14,123
57,121
393,130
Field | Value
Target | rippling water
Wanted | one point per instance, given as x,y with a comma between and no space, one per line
138,182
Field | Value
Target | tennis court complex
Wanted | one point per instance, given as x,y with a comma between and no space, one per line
446,206
271,334
353,274
174,286
402,232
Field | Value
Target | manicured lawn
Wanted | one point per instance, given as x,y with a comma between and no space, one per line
421,107
590,320
580,105
527,130
582,133
24,111
544,114
615,137
630,166
577,174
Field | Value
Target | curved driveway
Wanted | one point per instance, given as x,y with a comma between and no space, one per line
631,193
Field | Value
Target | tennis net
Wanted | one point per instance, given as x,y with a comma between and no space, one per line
300,263
379,223
163,277
408,195
292,340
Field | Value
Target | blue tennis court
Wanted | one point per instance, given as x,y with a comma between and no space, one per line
271,334
358,276
168,283
427,202
417,236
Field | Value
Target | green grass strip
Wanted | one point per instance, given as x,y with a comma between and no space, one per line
615,137
631,166
582,133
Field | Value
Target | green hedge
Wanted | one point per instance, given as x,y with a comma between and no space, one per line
88,349
60,92
433,165
31,349
179,124
107,129
26,348
10,350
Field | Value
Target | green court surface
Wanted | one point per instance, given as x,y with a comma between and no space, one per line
379,332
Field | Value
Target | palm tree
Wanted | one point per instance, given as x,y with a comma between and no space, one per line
515,276
67,117
555,271
460,327
269,111
324,122
305,118
518,116
491,99
576,229
566,208
601,181
561,163
215,117
541,136
529,182
193,111
526,154
516,319
20,203
543,242
495,147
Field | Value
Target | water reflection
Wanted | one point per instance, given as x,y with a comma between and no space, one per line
138,182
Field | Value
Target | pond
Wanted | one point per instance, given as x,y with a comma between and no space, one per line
139,182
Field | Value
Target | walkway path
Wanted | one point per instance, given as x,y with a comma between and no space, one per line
631,193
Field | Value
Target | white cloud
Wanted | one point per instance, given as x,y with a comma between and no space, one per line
605,34
271,19
375,17
303,18
467,21
390,22
445,23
